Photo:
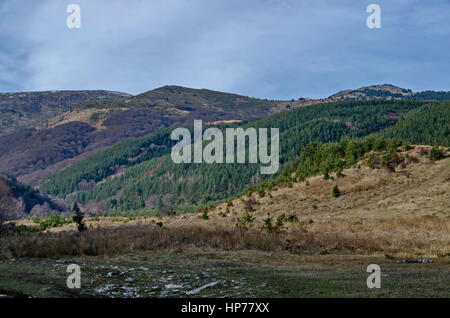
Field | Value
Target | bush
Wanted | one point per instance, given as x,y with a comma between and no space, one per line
408,147
54,220
224,214
204,213
391,160
244,221
292,218
436,153
336,192
275,228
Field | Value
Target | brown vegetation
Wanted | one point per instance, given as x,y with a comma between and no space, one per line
427,235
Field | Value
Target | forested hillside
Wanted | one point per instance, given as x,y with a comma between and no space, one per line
136,177
428,125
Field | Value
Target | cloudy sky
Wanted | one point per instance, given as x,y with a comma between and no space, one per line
278,49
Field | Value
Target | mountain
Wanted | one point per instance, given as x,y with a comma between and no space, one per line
387,92
26,110
19,200
95,124
70,127
139,175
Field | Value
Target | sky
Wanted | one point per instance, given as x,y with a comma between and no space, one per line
275,49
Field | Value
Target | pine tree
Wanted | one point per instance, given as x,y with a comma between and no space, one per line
336,192
78,218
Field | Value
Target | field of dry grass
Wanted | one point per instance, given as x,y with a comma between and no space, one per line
421,236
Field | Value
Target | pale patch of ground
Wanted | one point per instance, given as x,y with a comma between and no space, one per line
82,115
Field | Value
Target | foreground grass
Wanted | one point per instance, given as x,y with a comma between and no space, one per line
237,274
403,237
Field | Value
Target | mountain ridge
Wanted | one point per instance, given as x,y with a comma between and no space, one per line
21,110
389,92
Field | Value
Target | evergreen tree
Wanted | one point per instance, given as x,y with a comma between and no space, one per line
78,218
336,192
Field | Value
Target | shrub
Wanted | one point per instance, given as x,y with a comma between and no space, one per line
275,228
379,144
408,147
224,214
336,192
292,218
436,154
244,221
204,213
391,160
54,220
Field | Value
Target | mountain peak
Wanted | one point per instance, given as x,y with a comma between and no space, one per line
385,91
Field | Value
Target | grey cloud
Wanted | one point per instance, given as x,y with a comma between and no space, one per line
263,48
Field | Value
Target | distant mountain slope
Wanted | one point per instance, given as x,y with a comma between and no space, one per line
188,99
68,126
26,110
93,125
175,101
388,92
19,200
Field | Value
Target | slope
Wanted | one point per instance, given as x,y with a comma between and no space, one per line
19,200
133,177
26,110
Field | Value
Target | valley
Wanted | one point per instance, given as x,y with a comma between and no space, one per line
361,181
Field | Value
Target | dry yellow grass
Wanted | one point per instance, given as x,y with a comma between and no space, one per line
424,236
83,115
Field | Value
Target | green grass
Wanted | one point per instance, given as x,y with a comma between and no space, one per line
32,279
